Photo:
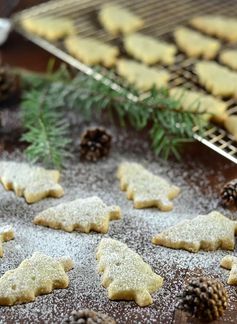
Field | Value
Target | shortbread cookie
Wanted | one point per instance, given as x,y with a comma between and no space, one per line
116,19
149,50
208,232
49,27
212,108
230,262
231,125
229,57
195,44
34,183
84,215
37,275
145,188
142,76
217,79
125,274
6,234
220,26
91,51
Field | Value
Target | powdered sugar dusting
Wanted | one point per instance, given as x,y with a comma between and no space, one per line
136,229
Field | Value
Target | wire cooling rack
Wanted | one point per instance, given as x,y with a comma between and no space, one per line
161,17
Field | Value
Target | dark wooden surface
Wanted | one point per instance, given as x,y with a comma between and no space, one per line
17,51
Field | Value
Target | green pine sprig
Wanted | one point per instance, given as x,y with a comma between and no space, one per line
45,122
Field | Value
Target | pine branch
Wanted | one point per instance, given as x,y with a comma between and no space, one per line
171,126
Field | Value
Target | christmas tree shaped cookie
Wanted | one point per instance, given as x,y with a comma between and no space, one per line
84,215
145,188
37,275
34,183
230,262
125,274
6,234
207,232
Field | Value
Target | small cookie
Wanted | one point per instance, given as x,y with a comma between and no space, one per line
91,51
208,232
230,262
49,27
149,50
142,76
195,44
145,188
34,183
229,58
212,108
37,275
231,125
217,79
83,215
220,26
116,19
125,274
6,234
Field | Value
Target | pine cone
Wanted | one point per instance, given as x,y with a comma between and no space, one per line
87,316
8,83
229,193
95,144
204,298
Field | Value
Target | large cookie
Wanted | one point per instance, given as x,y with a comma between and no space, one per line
210,107
195,44
37,275
6,234
229,58
217,79
125,274
50,27
220,26
142,76
207,232
145,188
91,51
34,183
116,19
149,50
84,215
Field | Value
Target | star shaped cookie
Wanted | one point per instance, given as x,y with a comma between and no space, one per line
230,262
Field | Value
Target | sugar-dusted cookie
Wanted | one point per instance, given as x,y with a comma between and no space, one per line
212,108
229,58
34,183
6,234
208,232
149,50
145,188
231,125
116,19
37,275
195,44
217,79
84,215
220,26
230,262
49,27
91,51
125,274
141,76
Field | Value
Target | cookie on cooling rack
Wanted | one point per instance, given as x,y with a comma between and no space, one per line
229,58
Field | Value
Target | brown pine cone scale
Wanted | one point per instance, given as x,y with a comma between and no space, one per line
229,194
88,316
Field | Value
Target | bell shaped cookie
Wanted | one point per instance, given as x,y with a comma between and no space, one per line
83,215
207,232
125,274
32,182
37,275
145,188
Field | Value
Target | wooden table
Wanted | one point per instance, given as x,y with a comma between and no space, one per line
22,53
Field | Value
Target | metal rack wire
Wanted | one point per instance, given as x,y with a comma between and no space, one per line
161,17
